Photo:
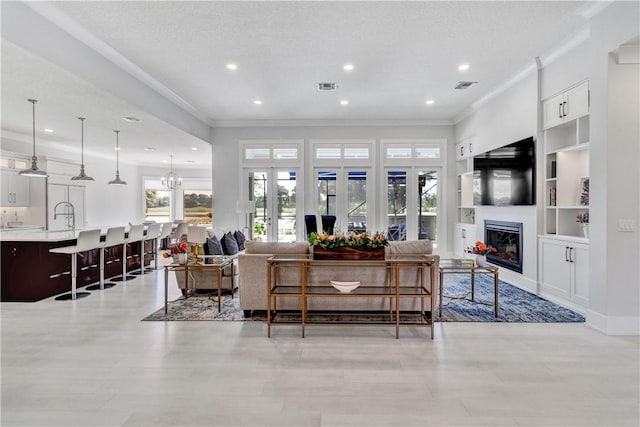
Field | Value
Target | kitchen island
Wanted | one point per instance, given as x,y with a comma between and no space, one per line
31,273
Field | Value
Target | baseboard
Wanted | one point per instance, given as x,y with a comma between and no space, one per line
613,325
518,280
563,303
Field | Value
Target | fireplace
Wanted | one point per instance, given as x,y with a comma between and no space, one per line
506,237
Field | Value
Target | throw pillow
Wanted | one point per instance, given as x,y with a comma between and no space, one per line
215,248
240,239
229,244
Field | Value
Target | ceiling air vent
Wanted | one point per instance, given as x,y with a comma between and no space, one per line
327,86
465,85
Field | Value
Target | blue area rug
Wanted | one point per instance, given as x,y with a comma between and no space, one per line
515,305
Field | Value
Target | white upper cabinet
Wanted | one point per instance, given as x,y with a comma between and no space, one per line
566,106
464,149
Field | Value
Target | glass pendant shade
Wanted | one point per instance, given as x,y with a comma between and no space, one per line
117,181
82,176
33,171
171,180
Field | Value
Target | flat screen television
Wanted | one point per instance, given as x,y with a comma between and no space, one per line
506,176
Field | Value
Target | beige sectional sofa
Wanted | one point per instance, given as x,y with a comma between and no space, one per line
252,265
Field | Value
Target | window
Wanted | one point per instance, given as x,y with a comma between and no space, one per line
157,205
196,206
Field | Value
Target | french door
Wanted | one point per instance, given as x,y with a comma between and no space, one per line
275,194
346,194
413,200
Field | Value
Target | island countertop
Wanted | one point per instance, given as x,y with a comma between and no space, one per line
49,236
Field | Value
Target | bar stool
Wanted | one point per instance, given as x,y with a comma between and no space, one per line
135,235
165,233
86,241
153,233
114,237
179,232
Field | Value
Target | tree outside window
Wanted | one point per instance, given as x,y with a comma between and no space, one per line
197,207
157,205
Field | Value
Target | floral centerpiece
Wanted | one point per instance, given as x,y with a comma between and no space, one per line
349,245
480,249
179,250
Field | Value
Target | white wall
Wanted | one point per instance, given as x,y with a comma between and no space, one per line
565,71
225,157
614,285
509,117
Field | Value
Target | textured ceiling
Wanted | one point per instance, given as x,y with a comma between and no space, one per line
403,53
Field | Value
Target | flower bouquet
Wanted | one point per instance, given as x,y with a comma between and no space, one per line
179,249
349,245
583,218
349,239
481,250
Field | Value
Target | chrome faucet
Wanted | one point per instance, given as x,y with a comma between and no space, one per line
66,213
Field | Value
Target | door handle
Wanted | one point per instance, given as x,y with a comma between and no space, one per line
560,110
564,111
571,255
566,253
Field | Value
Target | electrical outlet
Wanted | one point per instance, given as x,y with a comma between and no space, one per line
626,225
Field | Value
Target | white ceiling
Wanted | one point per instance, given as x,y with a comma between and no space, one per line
403,54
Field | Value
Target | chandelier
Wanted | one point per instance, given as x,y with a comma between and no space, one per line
171,180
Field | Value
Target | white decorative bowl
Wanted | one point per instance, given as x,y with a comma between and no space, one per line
345,287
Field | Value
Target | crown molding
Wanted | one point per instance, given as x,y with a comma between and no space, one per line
327,123
566,45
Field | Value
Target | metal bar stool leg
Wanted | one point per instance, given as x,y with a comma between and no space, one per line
74,273
102,286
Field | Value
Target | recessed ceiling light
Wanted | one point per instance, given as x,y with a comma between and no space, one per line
165,161
463,67
149,148
430,102
344,102
49,130
131,119
116,148
189,161
232,66
257,102
194,148
348,67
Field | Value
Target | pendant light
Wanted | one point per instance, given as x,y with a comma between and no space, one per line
34,172
171,180
117,181
82,176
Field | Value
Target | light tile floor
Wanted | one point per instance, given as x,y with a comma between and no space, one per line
92,362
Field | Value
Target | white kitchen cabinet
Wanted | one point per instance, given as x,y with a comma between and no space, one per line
566,106
564,269
15,189
74,194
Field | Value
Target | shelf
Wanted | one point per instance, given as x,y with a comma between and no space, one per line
573,207
551,179
577,147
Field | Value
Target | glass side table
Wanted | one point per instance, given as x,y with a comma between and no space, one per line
466,266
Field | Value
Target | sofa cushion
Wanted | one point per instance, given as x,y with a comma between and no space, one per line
256,247
240,238
411,247
229,244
